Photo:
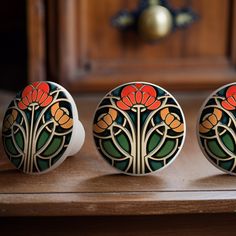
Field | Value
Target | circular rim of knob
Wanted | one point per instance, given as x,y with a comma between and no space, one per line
114,119
41,122
218,107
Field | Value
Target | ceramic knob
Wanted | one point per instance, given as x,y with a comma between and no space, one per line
217,128
139,128
41,128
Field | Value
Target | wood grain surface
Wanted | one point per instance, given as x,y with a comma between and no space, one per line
86,185
86,53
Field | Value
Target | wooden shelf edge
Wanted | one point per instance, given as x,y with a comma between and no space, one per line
117,204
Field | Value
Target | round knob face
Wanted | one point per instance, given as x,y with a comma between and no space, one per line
139,128
37,127
155,22
217,128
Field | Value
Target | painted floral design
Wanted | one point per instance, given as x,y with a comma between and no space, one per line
35,93
210,121
138,94
130,133
217,129
9,120
61,116
105,121
172,120
230,101
37,127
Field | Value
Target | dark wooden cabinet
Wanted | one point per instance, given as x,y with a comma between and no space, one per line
86,53
73,43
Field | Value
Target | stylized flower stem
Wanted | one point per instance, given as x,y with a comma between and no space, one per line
28,164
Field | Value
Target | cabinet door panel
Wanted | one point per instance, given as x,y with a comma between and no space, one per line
91,55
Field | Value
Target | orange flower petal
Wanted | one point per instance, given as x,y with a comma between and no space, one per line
25,101
112,113
43,98
138,85
65,118
97,129
150,101
155,105
35,84
169,118
68,124
127,101
179,129
29,97
202,129
232,101
43,86
212,118
108,119
150,90
28,89
131,97
59,114
21,105
14,114
102,124
34,95
227,106
122,106
207,124
175,123
138,97
47,101
145,98
231,90
40,93
218,113
54,108
127,90
164,113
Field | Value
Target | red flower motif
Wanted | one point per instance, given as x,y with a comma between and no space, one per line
37,92
138,94
230,102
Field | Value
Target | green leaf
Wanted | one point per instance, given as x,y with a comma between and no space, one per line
155,165
153,141
124,142
166,148
42,164
10,146
111,149
227,165
19,140
16,161
121,165
43,137
53,146
228,141
216,149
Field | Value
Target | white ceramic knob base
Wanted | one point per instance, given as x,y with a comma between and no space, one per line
41,128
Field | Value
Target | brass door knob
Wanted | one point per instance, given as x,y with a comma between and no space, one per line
154,19
155,22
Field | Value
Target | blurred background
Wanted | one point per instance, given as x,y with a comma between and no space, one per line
74,43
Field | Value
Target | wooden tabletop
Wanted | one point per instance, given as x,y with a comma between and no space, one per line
86,185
